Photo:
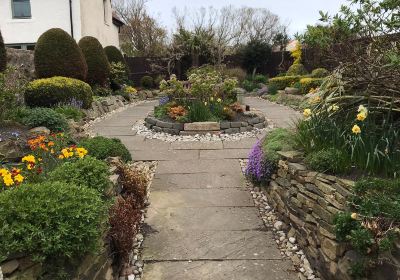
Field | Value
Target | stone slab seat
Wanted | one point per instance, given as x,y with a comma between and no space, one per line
202,126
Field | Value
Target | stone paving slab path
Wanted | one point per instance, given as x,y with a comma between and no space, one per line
202,223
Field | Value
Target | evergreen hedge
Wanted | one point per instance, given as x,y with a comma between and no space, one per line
96,60
114,55
57,54
3,55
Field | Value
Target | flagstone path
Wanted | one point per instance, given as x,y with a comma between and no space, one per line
202,223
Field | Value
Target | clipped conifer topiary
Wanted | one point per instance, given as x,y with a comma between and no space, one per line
96,60
57,54
3,55
114,54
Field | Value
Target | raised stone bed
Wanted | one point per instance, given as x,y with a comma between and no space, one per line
254,120
308,201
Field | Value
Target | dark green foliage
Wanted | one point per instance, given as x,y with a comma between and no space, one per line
118,75
50,220
57,54
279,139
330,160
147,82
3,55
102,148
101,91
272,89
260,79
96,60
58,91
296,70
344,224
255,54
319,73
114,55
86,172
70,112
41,117
161,111
249,85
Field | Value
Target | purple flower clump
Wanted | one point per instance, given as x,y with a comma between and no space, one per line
259,169
164,100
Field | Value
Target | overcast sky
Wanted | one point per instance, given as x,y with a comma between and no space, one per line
297,13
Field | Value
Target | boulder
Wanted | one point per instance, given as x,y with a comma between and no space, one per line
292,90
262,91
40,130
202,126
9,267
12,150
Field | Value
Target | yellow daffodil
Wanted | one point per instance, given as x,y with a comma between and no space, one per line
333,108
211,98
354,216
362,109
307,113
205,103
361,116
356,129
219,100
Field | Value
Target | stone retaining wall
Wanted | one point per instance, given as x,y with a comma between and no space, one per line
308,201
257,121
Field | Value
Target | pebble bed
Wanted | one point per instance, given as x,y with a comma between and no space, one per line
134,270
285,241
141,129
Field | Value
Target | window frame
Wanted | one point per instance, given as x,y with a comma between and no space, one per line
21,17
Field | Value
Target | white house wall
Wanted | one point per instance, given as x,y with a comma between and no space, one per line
46,14
93,23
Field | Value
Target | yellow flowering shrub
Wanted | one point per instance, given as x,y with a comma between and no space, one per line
307,84
58,90
283,82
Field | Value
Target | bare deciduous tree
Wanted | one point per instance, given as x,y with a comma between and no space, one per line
142,35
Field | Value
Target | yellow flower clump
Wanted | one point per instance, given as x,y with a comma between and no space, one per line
356,129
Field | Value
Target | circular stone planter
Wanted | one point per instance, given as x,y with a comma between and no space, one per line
250,121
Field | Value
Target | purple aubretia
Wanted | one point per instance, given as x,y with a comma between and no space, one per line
259,169
164,100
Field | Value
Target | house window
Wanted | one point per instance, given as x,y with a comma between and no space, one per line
21,8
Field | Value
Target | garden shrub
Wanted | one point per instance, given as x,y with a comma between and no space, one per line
158,79
58,91
250,85
118,75
330,160
57,54
124,218
272,89
307,84
261,79
3,55
147,82
134,183
96,60
296,70
255,54
50,220
199,112
279,139
102,148
319,73
101,91
41,117
114,55
259,168
70,112
235,72
283,82
87,172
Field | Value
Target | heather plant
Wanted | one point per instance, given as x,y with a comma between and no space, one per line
277,140
259,169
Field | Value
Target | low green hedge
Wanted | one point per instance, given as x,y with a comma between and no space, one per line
147,82
50,220
306,84
102,148
58,91
283,82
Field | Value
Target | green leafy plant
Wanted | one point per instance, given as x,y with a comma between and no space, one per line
58,91
41,117
249,85
199,112
101,91
87,172
307,84
147,82
96,60
70,112
118,75
296,70
319,73
277,140
260,79
73,217
102,148
57,54
272,89
330,160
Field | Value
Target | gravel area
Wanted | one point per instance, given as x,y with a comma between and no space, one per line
135,269
285,241
141,129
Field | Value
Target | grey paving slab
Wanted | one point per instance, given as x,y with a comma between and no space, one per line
199,166
113,131
220,270
224,154
148,145
162,155
201,198
209,218
210,245
246,143
132,142
197,180
211,145
116,121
